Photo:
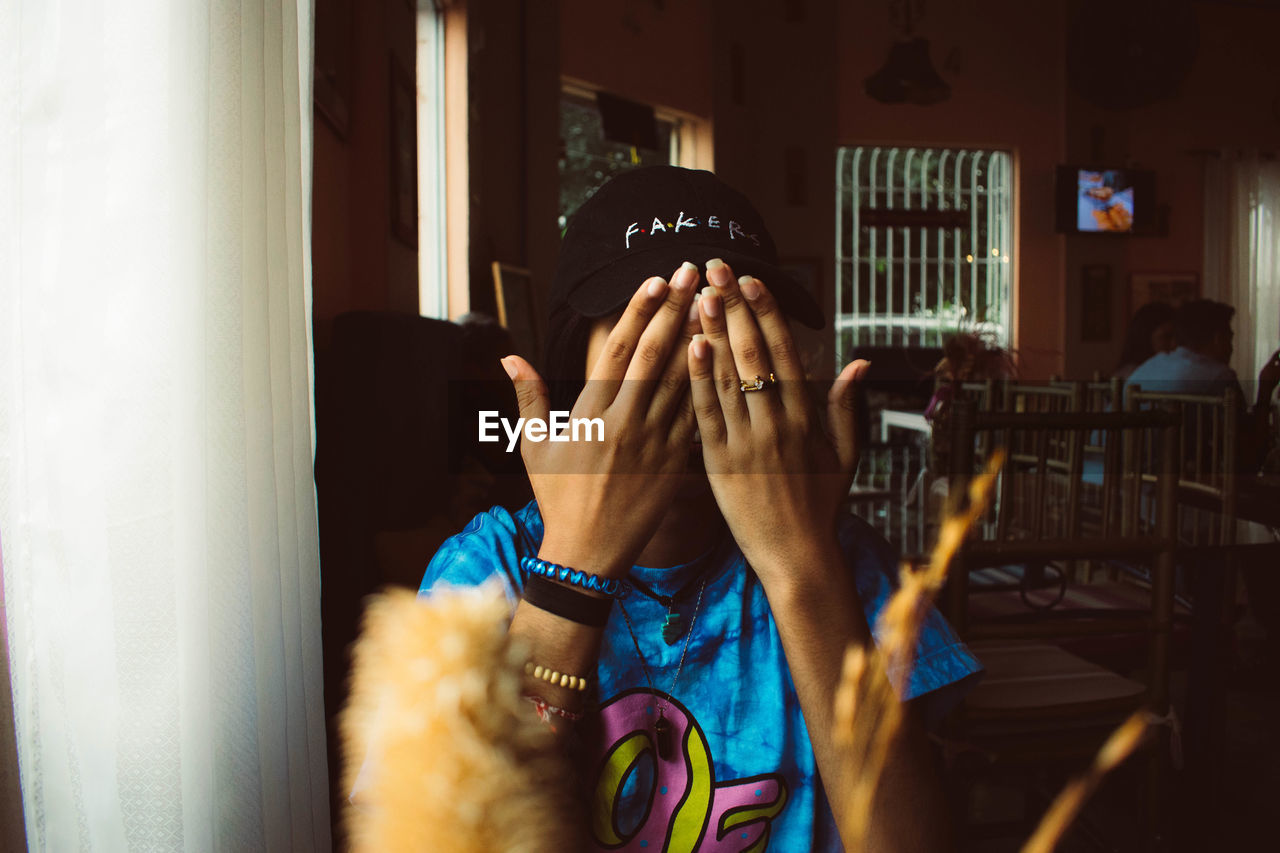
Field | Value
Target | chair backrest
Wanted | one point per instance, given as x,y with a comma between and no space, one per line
1040,489
889,492
1156,546
1206,462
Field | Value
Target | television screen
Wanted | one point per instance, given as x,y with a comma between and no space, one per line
1104,201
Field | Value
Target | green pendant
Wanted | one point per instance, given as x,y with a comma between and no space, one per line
672,628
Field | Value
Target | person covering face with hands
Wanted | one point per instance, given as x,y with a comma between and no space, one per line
687,586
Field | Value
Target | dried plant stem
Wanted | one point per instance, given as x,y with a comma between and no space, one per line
868,711
1067,805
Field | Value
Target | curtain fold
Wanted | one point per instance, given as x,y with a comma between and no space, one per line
161,568
1242,253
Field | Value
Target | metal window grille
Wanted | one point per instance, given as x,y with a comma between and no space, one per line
924,243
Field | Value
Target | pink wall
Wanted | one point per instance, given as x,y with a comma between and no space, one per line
633,49
1007,72
679,57
1007,81
804,88
1231,99
357,264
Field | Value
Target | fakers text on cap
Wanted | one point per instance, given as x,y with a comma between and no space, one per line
647,222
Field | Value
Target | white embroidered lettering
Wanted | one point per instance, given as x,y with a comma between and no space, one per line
681,222
632,229
657,226
713,222
735,230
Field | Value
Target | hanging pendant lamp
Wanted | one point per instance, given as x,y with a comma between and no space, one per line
908,76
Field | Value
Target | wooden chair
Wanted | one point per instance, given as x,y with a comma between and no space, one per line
1207,467
886,493
1209,558
1043,465
1039,703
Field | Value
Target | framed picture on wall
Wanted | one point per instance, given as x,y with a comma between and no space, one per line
518,308
1095,302
404,155
1171,287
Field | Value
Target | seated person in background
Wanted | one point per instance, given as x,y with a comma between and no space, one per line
746,582
1150,331
1200,365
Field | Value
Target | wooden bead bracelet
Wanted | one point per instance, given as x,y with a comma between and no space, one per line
551,676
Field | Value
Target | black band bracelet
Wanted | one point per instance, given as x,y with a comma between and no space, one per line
567,603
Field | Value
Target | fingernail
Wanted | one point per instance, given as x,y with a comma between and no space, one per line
710,302
699,345
693,308
509,367
656,286
718,272
749,286
684,277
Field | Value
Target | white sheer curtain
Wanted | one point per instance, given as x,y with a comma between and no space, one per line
1242,253
161,571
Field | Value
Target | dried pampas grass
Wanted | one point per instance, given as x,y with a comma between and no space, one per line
868,713
1063,810
441,750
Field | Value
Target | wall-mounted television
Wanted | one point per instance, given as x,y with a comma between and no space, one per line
1105,200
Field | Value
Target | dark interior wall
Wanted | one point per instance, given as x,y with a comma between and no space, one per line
513,138
1003,61
802,91
655,53
1229,99
775,108
357,263
762,74
1006,63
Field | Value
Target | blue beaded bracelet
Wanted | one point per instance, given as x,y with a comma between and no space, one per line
553,571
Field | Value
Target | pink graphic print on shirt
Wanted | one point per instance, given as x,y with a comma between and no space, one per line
688,809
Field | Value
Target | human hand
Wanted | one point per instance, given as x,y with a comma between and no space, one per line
601,501
777,476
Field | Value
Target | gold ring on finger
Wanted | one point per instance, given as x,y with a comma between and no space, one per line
757,384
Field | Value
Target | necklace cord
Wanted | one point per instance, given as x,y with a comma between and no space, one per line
644,664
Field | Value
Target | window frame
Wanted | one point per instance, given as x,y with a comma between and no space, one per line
912,326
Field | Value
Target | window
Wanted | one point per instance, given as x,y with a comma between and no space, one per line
433,290
924,242
588,160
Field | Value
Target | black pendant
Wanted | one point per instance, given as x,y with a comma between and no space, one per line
672,628
662,732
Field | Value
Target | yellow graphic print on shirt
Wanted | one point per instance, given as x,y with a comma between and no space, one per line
687,809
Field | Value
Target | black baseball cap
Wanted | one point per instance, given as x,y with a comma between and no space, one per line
646,222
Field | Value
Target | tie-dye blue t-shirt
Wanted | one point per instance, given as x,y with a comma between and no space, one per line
741,774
